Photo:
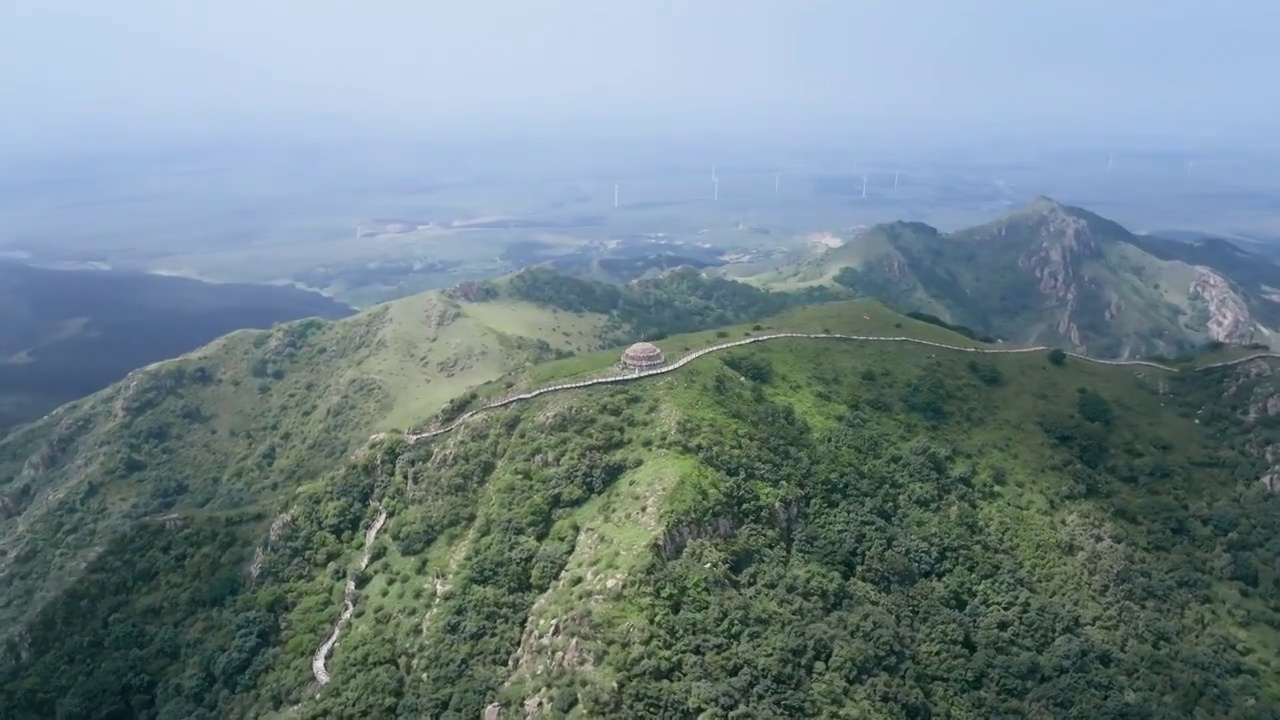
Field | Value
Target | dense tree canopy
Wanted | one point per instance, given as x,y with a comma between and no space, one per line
677,302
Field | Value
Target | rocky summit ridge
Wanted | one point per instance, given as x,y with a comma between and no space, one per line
1052,273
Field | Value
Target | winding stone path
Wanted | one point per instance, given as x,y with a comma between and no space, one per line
318,660
318,668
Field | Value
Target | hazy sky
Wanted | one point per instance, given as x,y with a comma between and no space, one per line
95,68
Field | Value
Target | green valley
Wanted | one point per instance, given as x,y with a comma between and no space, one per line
67,333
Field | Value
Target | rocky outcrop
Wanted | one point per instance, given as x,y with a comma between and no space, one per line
1114,308
459,362
1251,395
893,267
53,450
1245,373
469,291
1268,407
1228,319
1055,258
279,528
440,315
1056,261
1270,480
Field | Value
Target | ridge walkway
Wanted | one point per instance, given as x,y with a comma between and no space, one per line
671,367
321,655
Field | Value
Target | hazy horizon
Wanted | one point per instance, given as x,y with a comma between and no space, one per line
143,73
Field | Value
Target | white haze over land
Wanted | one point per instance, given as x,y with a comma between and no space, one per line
92,74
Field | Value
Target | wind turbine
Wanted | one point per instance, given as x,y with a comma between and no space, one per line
1189,164
775,183
895,181
864,187
615,195
715,184
1110,160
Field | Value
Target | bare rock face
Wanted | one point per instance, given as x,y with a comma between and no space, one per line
440,315
52,450
7,508
1263,405
1056,261
1246,373
893,267
1229,319
1256,369
469,291
1114,308
41,461
1270,480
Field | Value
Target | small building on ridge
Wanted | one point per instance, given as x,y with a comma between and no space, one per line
643,356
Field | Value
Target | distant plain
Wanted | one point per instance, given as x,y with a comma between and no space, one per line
370,222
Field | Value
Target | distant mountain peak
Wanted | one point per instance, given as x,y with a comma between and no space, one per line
1223,245
1041,203
1059,222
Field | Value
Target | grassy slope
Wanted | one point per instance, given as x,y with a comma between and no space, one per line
237,423
856,317
1154,292
821,266
1252,273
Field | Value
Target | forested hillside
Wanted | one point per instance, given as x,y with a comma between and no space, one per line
233,429
796,528
680,301
236,425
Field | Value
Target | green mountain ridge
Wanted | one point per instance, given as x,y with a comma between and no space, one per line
792,527
259,411
1066,539
67,333
1053,274
257,414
